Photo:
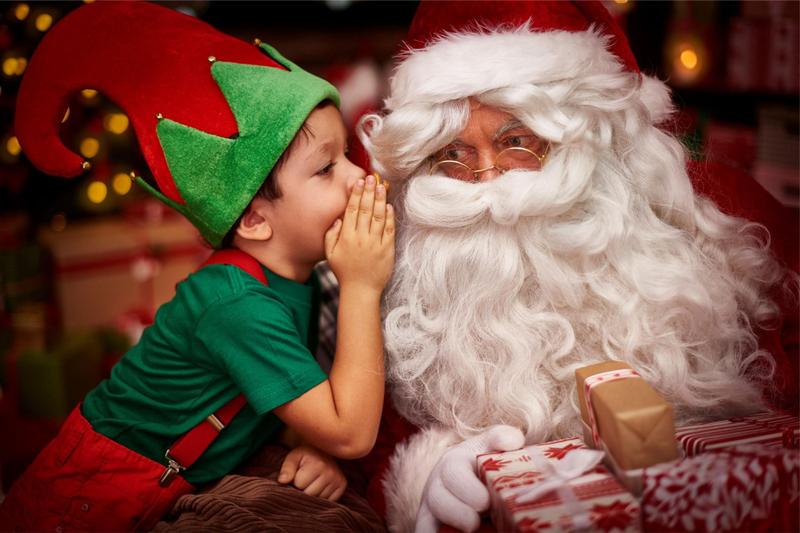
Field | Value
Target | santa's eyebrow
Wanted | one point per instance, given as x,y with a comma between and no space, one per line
510,125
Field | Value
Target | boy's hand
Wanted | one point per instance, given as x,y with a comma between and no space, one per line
360,247
314,472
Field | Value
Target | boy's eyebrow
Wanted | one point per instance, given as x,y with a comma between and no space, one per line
509,125
324,147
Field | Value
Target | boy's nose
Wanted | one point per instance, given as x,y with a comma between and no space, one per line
354,174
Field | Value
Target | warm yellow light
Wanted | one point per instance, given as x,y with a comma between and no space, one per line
66,116
12,145
89,147
88,1
122,183
116,122
89,93
689,59
21,11
21,64
97,192
10,65
59,222
620,1
44,21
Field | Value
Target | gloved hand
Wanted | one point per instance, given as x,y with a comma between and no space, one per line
453,493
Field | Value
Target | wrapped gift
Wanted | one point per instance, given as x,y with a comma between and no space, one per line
745,488
22,276
24,329
556,486
104,268
627,418
53,381
765,429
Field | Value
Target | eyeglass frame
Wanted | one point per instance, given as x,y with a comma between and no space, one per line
494,166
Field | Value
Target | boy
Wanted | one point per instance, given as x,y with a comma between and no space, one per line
228,357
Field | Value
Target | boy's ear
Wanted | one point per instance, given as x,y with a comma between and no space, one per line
254,224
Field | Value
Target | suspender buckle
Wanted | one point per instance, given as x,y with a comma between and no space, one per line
173,468
215,422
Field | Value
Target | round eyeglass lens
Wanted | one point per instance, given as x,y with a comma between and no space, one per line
456,171
518,158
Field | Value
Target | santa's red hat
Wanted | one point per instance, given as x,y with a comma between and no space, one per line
454,50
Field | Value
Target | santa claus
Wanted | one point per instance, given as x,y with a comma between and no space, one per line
549,220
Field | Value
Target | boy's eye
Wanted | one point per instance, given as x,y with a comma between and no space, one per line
326,169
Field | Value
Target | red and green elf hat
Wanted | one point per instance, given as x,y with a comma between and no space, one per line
212,113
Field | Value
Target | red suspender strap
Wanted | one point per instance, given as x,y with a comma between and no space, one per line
188,448
236,257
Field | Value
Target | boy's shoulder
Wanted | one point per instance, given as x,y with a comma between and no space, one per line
236,292
225,284
231,303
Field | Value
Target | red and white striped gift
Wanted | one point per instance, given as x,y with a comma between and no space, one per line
774,430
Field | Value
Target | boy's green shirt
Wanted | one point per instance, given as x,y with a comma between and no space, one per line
224,333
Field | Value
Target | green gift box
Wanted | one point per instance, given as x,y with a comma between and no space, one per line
22,275
53,381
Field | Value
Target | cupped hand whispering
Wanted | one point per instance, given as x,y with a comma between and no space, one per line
360,246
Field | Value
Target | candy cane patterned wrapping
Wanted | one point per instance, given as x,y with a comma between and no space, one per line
745,488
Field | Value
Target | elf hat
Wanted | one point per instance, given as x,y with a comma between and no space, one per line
460,49
212,114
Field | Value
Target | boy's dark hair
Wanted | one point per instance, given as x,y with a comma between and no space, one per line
269,189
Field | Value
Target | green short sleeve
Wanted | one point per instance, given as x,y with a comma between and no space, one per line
253,338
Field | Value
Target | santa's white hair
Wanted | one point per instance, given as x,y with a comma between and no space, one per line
502,289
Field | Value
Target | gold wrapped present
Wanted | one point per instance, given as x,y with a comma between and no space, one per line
625,416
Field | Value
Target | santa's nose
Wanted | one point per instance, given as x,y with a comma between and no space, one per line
488,174
486,162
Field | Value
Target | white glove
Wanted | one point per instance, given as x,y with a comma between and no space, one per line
453,493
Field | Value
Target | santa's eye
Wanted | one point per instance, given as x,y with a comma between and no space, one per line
454,153
519,141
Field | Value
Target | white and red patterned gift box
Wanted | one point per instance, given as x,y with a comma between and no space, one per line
574,498
745,488
773,430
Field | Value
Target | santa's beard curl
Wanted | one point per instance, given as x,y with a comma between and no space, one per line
502,289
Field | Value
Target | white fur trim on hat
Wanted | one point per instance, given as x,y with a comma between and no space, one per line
460,65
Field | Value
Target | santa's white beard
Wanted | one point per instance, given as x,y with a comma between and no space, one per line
502,289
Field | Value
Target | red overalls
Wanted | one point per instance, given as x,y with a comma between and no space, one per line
85,481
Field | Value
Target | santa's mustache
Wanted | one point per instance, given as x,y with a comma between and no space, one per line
440,202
